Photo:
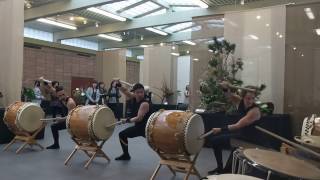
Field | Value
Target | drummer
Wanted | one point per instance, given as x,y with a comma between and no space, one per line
67,105
249,113
139,114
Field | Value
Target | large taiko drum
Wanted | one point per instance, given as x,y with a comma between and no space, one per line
175,132
232,177
22,117
91,123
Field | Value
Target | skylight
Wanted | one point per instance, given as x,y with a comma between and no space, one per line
177,27
140,9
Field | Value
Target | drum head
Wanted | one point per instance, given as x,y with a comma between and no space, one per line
232,177
193,130
283,164
102,118
312,141
29,116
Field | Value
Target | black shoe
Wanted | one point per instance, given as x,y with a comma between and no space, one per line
215,171
53,146
123,157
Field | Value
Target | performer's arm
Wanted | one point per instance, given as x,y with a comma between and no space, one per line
71,104
143,110
125,91
252,116
234,98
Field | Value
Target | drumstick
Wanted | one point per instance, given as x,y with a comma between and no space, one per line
113,124
54,119
242,88
124,82
205,135
288,141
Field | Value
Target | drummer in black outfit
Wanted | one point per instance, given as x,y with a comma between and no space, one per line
139,114
249,113
67,105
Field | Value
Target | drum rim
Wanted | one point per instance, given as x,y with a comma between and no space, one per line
68,120
25,105
91,123
4,119
265,169
149,125
185,132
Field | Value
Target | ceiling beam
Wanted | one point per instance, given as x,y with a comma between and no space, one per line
132,6
177,37
61,7
150,21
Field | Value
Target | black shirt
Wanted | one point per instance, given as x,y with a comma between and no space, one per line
133,109
249,132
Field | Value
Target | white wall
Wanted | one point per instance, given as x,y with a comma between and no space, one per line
11,50
264,58
183,76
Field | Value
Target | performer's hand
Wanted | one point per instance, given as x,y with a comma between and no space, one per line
123,121
119,84
216,130
224,84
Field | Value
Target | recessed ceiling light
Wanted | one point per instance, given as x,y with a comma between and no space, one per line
210,50
110,37
254,37
277,33
71,18
161,44
195,59
97,24
55,23
309,13
258,17
302,55
85,22
188,52
280,36
318,32
189,42
267,25
144,46
141,38
175,54
242,2
173,47
294,48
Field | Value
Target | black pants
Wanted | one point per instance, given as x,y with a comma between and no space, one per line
55,128
130,132
45,105
219,143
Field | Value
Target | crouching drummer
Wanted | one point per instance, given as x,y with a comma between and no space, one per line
68,104
244,128
139,114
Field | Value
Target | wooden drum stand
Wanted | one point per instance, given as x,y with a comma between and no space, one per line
27,139
90,148
182,163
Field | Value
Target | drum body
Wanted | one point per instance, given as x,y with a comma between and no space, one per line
89,122
272,165
175,132
232,177
23,117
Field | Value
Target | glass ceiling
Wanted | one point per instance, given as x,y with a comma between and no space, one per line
148,8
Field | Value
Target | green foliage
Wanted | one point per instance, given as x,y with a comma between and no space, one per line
28,93
223,66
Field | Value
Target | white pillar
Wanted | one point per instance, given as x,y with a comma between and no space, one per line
11,49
